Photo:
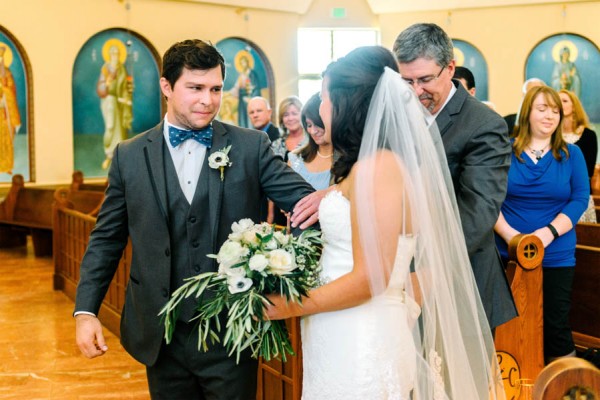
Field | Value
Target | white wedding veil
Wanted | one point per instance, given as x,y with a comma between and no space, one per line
455,350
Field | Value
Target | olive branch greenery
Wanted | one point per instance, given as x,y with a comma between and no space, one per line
236,294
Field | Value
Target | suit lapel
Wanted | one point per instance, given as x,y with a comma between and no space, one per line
215,184
153,152
444,118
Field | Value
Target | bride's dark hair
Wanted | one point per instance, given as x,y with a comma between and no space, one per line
352,81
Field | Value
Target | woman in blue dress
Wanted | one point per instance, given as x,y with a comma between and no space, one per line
313,161
548,190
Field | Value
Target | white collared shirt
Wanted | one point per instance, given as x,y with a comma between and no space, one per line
188,158
430,118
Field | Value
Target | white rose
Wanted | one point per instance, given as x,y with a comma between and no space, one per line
235,236
242,225
238,284
258,262
231,253
249,236
271,244
281,262
282,238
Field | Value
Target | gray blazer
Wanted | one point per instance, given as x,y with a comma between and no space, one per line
135,207
478,152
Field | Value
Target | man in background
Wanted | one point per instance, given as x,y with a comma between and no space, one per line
465,76
259,112
477,149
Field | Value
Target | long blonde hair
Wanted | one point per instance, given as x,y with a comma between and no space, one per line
522,132
580,118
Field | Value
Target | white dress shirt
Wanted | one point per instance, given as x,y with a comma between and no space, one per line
188,158
430,118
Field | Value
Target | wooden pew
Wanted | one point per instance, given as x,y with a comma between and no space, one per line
595,181
85,201
278,380
77,183
72,229
27,211
568,379
520,341
585,305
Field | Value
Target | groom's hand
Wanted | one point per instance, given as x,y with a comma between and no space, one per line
89,336
306,211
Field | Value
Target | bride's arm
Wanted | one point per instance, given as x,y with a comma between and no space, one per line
353,288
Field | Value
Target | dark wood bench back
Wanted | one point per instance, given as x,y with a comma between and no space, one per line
77,183
33,208
588,234
85,201
585,299
7,206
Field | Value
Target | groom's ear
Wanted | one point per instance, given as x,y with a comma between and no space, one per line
165,88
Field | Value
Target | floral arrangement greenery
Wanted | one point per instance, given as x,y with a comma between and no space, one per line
255,261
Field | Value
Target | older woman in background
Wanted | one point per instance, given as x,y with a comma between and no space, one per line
313,161
576,130
548,190
293,136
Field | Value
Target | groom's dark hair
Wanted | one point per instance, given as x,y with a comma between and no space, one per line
191,54
352,81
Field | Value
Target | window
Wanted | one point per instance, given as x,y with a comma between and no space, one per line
318,47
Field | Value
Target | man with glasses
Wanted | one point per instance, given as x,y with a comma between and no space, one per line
477,149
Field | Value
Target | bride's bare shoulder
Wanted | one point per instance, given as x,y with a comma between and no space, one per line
383,169
382,163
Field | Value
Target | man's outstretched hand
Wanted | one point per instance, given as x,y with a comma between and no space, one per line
306,211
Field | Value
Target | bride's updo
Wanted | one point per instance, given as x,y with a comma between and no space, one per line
352,81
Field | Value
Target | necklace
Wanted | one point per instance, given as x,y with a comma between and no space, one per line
538,154
322,156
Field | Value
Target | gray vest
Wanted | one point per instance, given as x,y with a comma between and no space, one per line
188,225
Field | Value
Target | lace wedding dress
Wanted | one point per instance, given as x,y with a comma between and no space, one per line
364,352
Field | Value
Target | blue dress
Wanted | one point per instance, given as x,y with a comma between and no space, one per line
537,193
318,180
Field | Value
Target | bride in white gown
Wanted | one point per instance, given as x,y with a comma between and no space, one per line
398,315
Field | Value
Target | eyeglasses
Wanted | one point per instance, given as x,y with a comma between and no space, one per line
424,81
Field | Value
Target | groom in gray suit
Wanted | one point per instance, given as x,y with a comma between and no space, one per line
477,149
167,195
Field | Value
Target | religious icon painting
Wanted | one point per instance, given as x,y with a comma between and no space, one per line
16,128
116,95
249,74
569,61
468,56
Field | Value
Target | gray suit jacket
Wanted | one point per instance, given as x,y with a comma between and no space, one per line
135,207
478,152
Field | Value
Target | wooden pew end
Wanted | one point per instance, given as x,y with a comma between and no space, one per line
568,378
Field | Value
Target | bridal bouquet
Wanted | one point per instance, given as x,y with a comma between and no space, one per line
256,260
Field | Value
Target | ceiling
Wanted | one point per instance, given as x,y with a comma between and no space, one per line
380,6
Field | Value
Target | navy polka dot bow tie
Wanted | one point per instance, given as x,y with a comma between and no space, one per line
202,136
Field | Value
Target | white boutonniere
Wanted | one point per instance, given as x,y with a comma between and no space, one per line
219,160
